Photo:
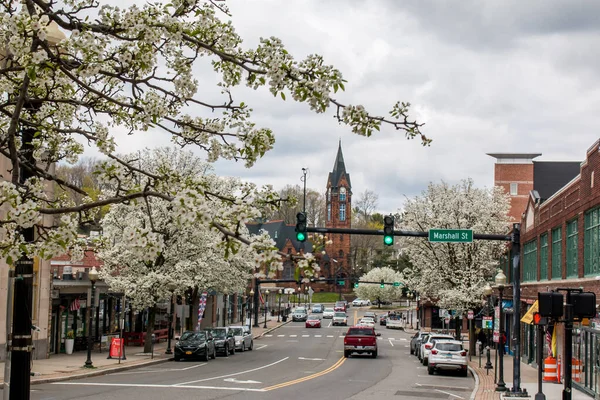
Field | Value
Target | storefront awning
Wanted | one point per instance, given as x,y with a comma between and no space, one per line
528,317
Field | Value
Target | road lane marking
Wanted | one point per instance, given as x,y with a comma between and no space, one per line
261,347
159,370
329,335
448,393
305,335
311,359
317,335
307,378
280,335
145,385
330,322
233,380
234,374
391,342
293,335
268,335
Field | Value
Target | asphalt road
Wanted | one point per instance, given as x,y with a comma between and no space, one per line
290,363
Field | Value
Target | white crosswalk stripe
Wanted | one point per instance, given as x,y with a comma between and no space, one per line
318,336
329,335
293,335
268,335
280,335
305,335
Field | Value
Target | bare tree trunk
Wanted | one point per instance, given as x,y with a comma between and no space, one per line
193,320
149,329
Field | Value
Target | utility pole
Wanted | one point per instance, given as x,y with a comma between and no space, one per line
516,254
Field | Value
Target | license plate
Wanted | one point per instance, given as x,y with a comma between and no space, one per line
449,355
360,347
188,352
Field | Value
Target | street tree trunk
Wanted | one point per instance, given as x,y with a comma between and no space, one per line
149,329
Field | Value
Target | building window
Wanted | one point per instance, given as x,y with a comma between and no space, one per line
288,270
530,261
591,247
328,194
514,189
544,256
329,212
572,249
342,194
342,212
556,253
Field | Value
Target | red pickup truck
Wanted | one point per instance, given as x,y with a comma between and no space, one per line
360,339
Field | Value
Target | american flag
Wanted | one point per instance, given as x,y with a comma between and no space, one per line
549,341
260,298
75,305
201,308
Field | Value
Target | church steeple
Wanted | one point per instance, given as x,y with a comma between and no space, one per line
339,169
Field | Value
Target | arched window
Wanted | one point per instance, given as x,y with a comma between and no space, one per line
342,194
288,270
329,212
342,212
328,194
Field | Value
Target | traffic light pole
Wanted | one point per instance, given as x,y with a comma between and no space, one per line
379,232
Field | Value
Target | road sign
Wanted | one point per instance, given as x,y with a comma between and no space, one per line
444,313
447,320
488,323
451,235
341,283
470,314
396,284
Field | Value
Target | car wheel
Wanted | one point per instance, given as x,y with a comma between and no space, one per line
232,350
251,345
346,354
465,373
176,358
430,371
425,362
374,354
205,357
214,354
226,353
243,347
412,351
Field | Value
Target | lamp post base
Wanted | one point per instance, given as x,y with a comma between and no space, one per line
168,351
88,364
501,387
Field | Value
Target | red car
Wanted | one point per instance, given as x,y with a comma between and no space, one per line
313,321
339,306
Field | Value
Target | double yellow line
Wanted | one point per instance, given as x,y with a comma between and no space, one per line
307,378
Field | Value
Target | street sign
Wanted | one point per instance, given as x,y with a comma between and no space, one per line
488,323
396,284
444,313
451,235
447,320
341,283
470,314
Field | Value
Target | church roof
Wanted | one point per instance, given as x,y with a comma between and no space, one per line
339,169
280,232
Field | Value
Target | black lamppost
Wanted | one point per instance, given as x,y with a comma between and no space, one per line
409,295
266,306
251,304
172,287
487,291
306,297
500,280
93,276
279,311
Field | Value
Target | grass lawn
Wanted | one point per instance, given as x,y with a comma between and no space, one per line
325,297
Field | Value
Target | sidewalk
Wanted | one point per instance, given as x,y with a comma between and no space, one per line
529,380
60,367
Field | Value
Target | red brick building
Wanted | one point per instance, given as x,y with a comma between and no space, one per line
338,214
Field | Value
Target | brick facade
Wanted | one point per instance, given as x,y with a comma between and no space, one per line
571,202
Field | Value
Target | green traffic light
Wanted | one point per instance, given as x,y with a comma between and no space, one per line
300,236
388,240
355,285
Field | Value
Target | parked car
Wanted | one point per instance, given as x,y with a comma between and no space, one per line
313,321
427,345
360,339
423,339
383,320
394,321
243,338
448,355
415,342
340,306
328,312
224,340
299,314
195,345
340,318
361,302
317,308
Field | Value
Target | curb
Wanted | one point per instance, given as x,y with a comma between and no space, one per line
272,329
104,371
476,377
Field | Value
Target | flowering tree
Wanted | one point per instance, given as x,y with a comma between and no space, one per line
132,70
454,274
375,291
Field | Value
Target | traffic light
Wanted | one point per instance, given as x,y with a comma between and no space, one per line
584,304
550,304
355,285
388,230
539,320
301,227
382,284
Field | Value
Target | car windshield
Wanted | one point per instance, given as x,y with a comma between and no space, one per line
328,310
219,333
339,303
237,331
432,338
368,319
360,332
192,336
449,346
300,310
340,314
369,315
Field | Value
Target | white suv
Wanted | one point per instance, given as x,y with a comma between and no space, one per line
448,354
361,302
427,345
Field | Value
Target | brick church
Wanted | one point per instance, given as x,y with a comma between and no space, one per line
336,263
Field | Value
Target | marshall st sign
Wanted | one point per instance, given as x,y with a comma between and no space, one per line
451,235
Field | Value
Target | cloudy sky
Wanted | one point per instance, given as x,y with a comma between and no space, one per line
485,76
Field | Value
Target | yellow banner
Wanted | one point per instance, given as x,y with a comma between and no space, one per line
528,317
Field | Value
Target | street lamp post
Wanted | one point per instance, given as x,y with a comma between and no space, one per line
500,283
93,275
487,291
410,296
251,304
279,308
266,306
306,297
172,287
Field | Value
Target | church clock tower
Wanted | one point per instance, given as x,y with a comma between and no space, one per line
338,214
